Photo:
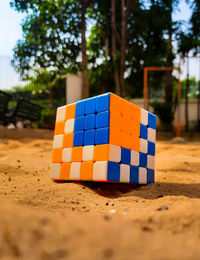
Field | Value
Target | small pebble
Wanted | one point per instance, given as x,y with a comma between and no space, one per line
106,217
113,211
162,208
146,228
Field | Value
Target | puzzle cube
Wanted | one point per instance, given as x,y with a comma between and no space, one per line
104,138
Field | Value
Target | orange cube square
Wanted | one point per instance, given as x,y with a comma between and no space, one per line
101,152
116,103
77,154
86,171
135,113
126,125
135,128
57,155
59,128
115,120
68,140
115,136
126,140
70,111
135,143
126,109
65,171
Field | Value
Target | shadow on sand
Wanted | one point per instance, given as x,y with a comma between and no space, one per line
151,191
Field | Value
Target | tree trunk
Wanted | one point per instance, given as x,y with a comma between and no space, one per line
85,76
50,96
123,48
116,74
198,105
169,79
186,98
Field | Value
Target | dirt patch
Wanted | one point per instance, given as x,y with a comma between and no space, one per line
41,219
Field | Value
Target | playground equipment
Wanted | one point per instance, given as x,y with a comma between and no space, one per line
104,138
145,91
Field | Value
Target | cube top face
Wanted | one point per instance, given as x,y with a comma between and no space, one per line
104,138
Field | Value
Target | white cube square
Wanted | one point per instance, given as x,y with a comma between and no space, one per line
88,153
143,145
144,117
75,171
134,158
124,173
69,126
100,171
142,175
67,154
114,153
58,141
150,162
60,114
151,135
55,171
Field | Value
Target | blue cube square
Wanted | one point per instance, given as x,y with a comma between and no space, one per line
78,138
150,176
90,122
102,136
90,106
80,108
151,120
151,148
102,119
79,123
89,137
113,171
103,102
125,156
142,160
134,174
143,131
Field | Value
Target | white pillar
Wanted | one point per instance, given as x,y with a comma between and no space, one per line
73,87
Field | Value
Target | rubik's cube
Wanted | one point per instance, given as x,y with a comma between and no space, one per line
104,138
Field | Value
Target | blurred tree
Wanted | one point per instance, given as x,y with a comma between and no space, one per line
54,35
189,43
144,43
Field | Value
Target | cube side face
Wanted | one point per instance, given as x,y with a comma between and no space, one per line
104,138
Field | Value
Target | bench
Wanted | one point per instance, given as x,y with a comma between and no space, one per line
4,100
25,110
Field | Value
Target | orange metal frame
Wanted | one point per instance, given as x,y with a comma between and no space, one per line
145,90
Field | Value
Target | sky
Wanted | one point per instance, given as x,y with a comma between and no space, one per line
10,32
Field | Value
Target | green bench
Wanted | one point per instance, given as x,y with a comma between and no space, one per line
4,100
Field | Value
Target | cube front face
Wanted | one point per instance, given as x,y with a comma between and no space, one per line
104,138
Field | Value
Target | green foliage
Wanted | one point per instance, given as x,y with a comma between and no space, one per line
189,40
193,88
165,114
51,43
51,36
47,119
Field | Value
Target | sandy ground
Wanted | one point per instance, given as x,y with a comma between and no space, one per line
41,219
